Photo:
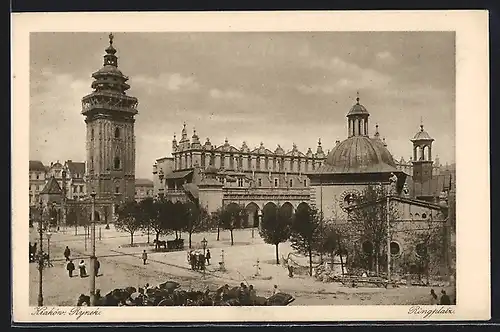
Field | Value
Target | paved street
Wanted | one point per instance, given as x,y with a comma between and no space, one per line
122,266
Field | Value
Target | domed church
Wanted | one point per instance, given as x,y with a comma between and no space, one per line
352,164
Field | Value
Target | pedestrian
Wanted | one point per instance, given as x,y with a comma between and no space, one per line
290,268
434,298
253,295
83,270
445,299
97,266
144,257
67,253
70,267
202,262
208,256
275,290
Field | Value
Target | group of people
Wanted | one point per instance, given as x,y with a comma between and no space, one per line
444,300
70,266
197,260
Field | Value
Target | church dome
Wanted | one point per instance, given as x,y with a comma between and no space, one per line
357,109
359,154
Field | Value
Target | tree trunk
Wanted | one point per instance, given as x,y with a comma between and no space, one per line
232,242
176,235
190,240
218,232
277,255
157,239
341,263
376,263
310,262
131,239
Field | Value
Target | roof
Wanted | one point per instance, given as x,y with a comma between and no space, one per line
76,167
144,182
210,182
52,187
37,165
192,190
178,175
411,201
358,154
357,109
422,135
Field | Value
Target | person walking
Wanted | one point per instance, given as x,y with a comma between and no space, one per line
208,256
434,298
144,257
445,299
83,269
67,253
70,267
97,266
253,295
275,290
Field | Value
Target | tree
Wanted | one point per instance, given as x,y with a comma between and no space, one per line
231,217
130,219
368,218
178,218
305,231
192,218
156,215
275,227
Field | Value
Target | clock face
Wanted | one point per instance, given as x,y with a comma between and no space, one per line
349,198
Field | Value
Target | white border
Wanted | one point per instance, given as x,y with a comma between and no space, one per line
472,155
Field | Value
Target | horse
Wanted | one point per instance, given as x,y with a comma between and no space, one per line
160,243
83,300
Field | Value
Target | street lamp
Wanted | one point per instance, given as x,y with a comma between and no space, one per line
92,257
204,243
40,257
49,235
259,216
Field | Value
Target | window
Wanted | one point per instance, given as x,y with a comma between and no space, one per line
421,250
222,160
276,182
424,216
249,162
367,247
240,162
81,188
117,163
231,161
257,163
291,183
240,182
203,160
292,164
75,189
117,189
117,132
395,248
305,183
260,182
92,133
37,176
266,162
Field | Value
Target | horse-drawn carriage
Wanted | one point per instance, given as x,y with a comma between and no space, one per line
171,294
177,244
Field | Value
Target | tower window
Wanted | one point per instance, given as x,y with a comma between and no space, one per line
117,189
276,182
260,182
291,183
117,132
305,183
240,182
117,163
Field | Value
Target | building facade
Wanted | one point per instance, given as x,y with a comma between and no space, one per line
143,189
110,141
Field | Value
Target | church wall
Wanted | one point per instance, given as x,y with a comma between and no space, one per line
332,198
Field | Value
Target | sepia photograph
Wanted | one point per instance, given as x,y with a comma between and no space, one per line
272,169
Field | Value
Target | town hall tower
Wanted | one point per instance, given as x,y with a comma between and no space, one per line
109,116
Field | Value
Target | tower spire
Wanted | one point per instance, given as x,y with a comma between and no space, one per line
357,97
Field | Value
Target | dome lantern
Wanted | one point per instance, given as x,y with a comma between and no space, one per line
357,120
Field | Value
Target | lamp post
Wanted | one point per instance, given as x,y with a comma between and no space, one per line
49,235
388,240
259,218
204,243
40,257
92,257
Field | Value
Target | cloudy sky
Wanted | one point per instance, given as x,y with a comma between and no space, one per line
275,88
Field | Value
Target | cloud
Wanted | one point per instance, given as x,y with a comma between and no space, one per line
385,56
174,82
225,94
344,76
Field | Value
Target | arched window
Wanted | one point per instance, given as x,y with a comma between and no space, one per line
92,133
117,132
395,248
421,250
117,163
291,183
